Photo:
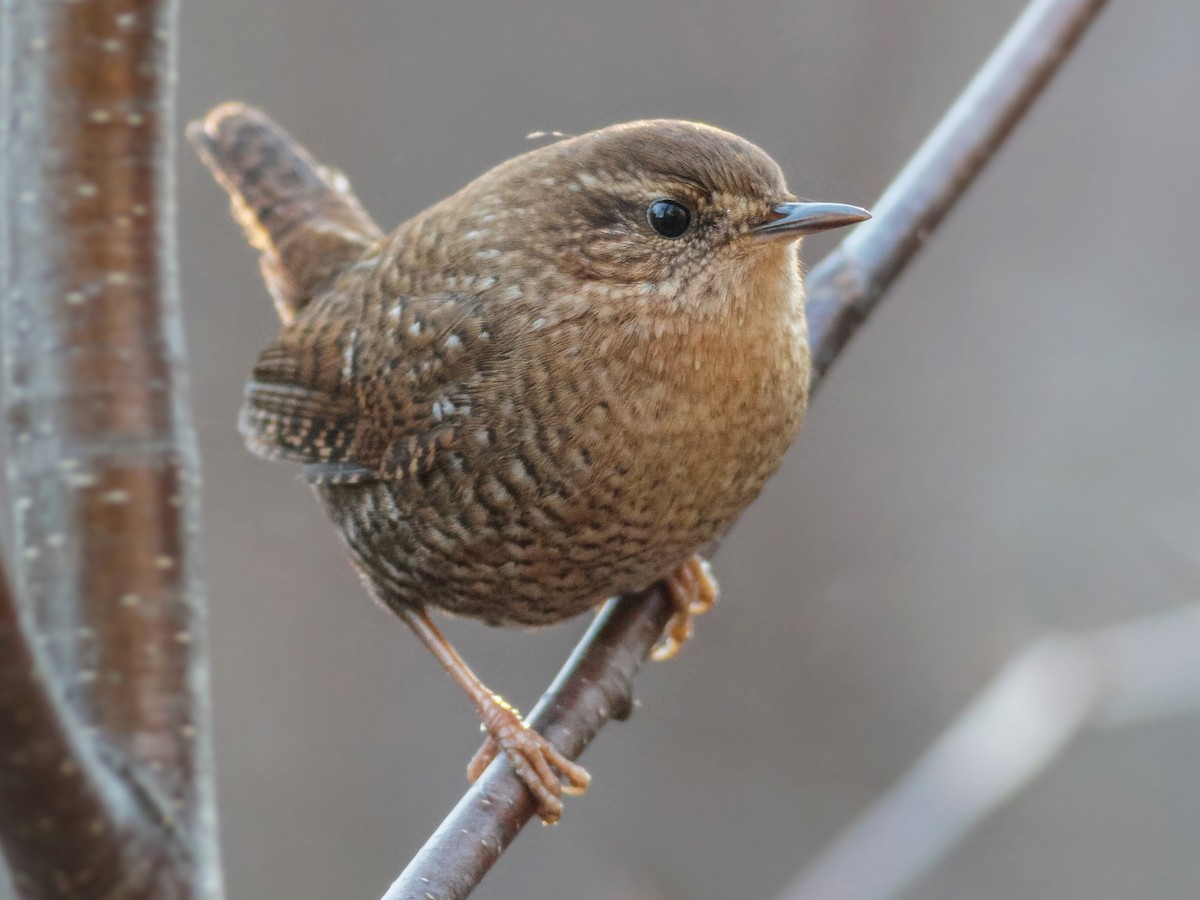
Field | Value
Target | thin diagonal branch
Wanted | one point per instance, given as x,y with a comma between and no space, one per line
842,291
845,286
102,461
595,685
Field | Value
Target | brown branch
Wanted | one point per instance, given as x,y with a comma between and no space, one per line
845,286
842,291
110,714
56,802
595,685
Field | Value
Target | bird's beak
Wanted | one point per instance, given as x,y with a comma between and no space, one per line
798,219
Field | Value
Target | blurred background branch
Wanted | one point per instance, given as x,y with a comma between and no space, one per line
1059,688
842,291
106,784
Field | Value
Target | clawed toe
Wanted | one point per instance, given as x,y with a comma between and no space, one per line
539,764
482,759
693,590
547,772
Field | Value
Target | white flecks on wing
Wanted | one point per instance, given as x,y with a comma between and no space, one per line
348,356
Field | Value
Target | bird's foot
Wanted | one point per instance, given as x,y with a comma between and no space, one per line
538,763
693,590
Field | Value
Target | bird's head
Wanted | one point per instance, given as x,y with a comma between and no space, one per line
667,211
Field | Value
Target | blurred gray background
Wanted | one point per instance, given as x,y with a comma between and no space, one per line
1009,447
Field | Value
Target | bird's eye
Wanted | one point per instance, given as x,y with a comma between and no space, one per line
668,218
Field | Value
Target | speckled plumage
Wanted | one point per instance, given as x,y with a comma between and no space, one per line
525,399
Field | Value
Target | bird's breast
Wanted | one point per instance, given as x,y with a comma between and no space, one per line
684,425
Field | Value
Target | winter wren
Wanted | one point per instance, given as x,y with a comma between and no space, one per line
561,383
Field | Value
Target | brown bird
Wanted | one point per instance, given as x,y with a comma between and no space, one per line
563,382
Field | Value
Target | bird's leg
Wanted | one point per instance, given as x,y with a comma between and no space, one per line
543,769
693,590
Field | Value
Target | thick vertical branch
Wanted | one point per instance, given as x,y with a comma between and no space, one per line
102,461
842,291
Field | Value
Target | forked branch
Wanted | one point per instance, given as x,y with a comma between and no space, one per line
105,781
56,809
597,682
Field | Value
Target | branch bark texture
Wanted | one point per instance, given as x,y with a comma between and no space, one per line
842,291
844,287
104,717
595,685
